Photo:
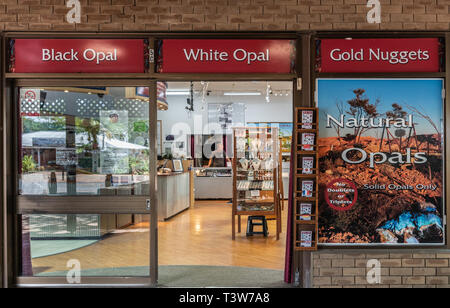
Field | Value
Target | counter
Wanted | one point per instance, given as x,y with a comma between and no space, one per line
173,194
213,183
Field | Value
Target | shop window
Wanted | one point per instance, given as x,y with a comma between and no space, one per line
83,141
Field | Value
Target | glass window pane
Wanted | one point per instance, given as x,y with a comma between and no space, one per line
100,245
84,141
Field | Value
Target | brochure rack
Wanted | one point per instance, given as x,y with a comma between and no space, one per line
306,187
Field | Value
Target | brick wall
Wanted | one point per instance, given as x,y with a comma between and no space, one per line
399,268
223,15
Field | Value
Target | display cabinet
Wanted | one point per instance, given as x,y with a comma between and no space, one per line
306,179
213,183
255,175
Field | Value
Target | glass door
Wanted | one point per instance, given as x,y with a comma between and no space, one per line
85,185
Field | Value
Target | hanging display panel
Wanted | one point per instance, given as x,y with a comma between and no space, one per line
381,149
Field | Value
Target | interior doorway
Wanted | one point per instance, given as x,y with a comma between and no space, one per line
200,129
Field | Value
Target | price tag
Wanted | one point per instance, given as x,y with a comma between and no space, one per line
254,193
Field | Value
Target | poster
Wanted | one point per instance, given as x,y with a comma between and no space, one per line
114,131
285,133
381,161
66,157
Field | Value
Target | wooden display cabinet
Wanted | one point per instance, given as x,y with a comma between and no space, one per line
255,175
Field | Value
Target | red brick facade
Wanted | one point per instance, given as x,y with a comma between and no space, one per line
399,268
223,15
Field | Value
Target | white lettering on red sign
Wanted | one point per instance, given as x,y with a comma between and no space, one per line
393,57
240,55
72,55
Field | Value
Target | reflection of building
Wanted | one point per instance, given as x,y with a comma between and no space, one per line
45,146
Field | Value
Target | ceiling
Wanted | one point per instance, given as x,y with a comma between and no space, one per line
219,87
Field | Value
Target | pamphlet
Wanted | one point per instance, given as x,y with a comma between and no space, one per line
306,239
307,189
308,141
305,211
307,119
307,165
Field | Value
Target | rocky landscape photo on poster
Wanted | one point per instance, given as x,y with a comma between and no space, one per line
381,161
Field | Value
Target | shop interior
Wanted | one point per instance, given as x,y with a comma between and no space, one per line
223,180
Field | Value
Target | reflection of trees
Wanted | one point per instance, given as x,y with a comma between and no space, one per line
28,164
91,127
139,163
32,124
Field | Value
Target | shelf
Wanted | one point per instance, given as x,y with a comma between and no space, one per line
255,213
306,222
243,203
306,199
258,201
260,189
270,170
304,175
306,152
314,248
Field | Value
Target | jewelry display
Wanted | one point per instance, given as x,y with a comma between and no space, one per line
256,174
244,163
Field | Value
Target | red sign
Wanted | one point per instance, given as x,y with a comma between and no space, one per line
380,55
79,56
226,56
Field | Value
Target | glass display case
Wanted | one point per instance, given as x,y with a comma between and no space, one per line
213,183
256,174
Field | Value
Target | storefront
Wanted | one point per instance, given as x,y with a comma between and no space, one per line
381,151
104,140
98,161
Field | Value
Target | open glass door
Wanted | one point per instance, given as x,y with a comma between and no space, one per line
85,185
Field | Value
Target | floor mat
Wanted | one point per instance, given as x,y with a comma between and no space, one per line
197,275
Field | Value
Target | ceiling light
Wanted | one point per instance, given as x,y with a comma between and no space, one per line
242,93
181,92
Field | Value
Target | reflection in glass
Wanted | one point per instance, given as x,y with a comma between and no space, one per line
102,245
83,141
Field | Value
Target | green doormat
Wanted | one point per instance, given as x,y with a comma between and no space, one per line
45,248
196,275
